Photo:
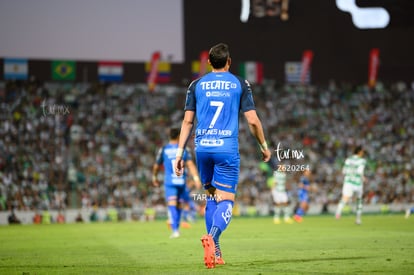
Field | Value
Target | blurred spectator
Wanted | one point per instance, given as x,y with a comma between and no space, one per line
93,217
284,14
37,218
60,218
46,217
13,219
112,215
79,218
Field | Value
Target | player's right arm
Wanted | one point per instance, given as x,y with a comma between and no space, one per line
186,129
156,167
256,128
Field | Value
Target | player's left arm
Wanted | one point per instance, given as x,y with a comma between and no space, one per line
256,129
255,125
361,171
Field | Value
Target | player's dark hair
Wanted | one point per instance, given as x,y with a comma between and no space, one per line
174,133
358,149
218,55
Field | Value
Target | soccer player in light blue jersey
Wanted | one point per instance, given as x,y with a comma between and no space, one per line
175,187
303,196
408,212
215,101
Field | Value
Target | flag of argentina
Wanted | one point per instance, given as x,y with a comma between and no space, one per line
15,68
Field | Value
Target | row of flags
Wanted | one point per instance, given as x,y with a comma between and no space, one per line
159,71
108,71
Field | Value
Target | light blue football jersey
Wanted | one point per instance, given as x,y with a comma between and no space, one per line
166,157
217,99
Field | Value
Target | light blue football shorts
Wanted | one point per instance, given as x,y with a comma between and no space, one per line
220,169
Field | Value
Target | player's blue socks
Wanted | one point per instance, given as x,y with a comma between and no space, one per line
178,220
222,215
221,220
300,212
211,206
215,232
175,217
186,215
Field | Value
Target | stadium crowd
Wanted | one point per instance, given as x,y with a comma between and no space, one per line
93,145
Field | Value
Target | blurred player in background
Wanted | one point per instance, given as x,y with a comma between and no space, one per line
280,198
189,209
353,171
408,212
215,101
303,196
175,187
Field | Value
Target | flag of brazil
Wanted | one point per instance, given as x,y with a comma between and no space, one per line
63,70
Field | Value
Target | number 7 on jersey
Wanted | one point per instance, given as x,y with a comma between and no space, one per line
219,105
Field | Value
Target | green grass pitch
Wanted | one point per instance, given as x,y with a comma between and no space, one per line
383,244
